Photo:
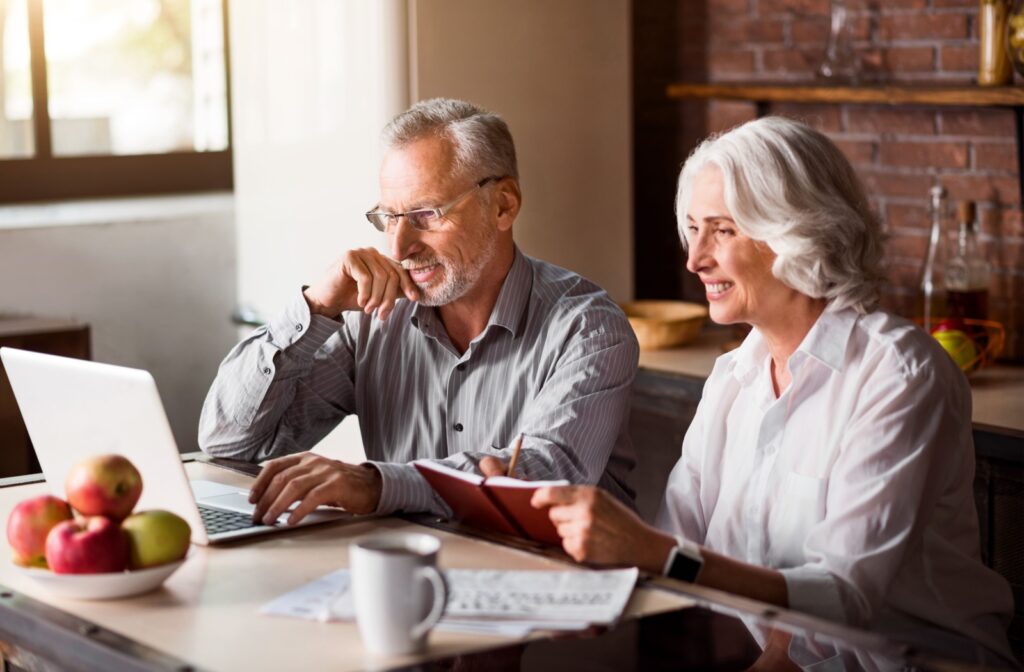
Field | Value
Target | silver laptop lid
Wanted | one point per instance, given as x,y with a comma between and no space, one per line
75,409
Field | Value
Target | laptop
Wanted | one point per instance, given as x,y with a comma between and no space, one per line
75,409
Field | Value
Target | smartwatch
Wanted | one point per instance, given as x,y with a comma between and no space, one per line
684,561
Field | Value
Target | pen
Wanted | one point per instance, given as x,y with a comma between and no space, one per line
515,455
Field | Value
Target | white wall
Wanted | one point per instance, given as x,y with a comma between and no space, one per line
155,281
312,85
558,72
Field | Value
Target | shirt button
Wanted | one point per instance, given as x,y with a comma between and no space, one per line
298,327
266,371
461,367
458,426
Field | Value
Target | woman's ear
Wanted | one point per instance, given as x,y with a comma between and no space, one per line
508,199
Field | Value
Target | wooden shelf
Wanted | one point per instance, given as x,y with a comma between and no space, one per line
977,96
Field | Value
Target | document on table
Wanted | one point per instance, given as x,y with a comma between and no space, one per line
510,603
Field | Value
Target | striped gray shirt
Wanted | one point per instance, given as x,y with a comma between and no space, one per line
556,361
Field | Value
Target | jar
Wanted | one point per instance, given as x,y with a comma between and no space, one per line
994,63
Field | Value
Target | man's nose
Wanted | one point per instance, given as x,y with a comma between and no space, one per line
404,238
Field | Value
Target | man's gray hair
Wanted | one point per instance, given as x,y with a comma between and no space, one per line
483,144
789,186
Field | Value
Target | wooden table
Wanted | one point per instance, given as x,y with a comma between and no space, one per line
205,616
206,613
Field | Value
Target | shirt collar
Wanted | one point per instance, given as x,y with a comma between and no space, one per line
826,342
749,357
509,310
828,338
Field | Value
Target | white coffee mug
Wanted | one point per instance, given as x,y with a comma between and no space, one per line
398,593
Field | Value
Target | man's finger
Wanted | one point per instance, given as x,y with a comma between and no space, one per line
492,466
390,294
380,274
359,272
270,469
276,486
553,496
321,494
295,491
409,288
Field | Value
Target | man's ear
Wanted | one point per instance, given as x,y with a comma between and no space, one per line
508,199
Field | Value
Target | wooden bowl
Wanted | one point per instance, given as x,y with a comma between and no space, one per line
665,324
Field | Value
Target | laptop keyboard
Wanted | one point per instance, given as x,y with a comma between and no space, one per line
216,521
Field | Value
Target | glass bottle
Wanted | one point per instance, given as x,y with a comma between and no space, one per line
932,291
967,273
840,64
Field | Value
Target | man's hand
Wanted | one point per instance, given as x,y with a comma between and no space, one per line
492,466
597,529
312,480
362,279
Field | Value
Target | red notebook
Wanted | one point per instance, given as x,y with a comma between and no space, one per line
496,504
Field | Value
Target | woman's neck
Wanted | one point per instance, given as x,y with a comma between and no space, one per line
784,333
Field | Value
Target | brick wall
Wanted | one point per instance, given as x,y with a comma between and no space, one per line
900,152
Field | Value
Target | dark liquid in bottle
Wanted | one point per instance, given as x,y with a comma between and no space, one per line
972,304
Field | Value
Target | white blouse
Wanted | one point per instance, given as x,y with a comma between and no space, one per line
856,483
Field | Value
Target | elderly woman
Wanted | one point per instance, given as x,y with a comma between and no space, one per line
829,466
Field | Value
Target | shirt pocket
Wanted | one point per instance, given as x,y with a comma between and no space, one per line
800,505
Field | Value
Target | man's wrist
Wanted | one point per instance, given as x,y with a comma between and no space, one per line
374,486
317,308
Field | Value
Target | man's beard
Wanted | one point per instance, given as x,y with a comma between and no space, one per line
457,278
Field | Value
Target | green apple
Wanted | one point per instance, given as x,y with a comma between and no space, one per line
959,346
156,537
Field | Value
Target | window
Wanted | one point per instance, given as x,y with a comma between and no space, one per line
112,98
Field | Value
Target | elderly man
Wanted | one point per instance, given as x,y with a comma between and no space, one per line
447,349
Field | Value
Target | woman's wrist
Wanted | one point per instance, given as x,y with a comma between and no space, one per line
656,552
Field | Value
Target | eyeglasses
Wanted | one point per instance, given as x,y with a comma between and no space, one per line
423,219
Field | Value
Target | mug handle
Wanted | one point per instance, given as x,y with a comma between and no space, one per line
440,591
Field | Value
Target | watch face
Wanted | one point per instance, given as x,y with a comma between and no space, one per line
683,567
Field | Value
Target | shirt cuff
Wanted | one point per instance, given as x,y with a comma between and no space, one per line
813,590
403,489
300,332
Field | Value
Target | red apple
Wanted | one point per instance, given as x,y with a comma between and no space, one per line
156,538
91,546
28,525
105,485
949,324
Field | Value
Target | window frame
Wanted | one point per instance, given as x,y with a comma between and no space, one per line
44,177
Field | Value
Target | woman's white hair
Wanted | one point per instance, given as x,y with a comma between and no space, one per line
481,139
788,186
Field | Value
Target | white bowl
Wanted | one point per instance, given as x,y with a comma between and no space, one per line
101,586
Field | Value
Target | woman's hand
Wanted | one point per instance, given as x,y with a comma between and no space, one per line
597,529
